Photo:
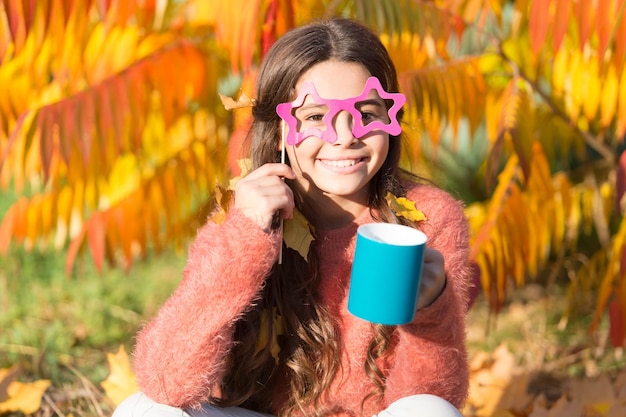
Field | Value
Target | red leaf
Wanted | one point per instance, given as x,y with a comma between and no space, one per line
620,182
617,331
125,235
539,23
16,21
584,12
561,19
96,238
67,129
84,102
620,34
72,251
14,135
6,229
120,98
604,23
46,145
236,145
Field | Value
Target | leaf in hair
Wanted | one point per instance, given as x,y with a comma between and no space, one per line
297,233
404,207
242,102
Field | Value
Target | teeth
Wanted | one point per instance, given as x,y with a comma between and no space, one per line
341,164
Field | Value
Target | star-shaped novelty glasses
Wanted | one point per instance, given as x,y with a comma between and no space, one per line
315,118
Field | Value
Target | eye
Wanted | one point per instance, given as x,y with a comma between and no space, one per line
371,113
367,116
315,117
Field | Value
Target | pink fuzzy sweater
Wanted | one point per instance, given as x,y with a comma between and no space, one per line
180,354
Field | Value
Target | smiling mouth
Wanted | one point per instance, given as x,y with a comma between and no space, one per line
343,163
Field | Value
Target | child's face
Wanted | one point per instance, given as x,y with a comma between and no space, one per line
342,169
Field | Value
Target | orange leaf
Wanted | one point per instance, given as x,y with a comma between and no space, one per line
539,23
67,128
6,229
620,34
584,11
617,330
604,24
47,117
96,238
85,104
72,251
561,19
621,112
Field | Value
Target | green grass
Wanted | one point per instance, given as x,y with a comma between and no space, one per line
51,322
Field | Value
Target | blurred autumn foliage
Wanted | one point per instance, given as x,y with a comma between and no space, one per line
113,135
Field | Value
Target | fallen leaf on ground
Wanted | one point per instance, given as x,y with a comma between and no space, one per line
121,382
499,388
23,397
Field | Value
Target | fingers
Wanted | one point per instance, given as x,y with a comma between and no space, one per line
263,193
433,278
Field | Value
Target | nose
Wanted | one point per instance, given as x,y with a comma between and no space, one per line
343,127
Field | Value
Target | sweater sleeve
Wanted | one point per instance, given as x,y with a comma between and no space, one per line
431,355
180,355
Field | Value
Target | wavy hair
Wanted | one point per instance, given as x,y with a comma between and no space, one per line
308,347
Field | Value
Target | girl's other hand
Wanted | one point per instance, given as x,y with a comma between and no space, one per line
433,277
262,193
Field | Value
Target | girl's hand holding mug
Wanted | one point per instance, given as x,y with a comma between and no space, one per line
262,193
433,278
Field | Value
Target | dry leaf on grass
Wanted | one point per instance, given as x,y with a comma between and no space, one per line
24,397
121,382
499,388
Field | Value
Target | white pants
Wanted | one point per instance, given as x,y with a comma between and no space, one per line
423,405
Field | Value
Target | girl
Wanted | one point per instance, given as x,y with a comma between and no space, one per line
255,328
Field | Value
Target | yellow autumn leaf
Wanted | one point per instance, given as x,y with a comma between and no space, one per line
278,328
121,382
490,376
297,233
232,104
7,375
23,397
404,207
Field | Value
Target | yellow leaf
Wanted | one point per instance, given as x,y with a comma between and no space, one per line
297,234
121,382
223,197
277,329
20,397
608,104
7,375
404,207
242,102
591,89
489,379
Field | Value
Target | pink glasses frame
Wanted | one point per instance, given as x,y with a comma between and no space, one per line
293,137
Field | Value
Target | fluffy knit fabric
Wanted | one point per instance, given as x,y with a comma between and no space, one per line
180,355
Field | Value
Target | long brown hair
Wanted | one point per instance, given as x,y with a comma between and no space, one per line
309,351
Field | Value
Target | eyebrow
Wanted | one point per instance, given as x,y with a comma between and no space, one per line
372,101
312,106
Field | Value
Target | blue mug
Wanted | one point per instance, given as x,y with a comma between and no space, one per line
386,270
